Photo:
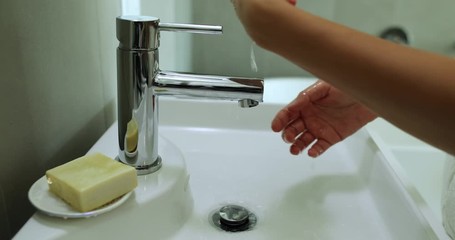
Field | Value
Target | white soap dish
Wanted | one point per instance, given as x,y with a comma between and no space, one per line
48,203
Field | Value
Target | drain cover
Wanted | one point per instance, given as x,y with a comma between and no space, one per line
233,218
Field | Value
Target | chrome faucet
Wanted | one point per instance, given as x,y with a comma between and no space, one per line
140,81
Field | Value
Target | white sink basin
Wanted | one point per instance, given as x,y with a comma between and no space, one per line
233,158
282,90
409,158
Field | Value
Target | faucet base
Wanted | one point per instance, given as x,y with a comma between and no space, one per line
145,169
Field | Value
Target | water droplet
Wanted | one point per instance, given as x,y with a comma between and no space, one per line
253,64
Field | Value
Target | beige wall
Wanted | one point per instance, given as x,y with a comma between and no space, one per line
57,91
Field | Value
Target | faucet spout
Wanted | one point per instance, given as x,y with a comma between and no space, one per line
208,86
248,103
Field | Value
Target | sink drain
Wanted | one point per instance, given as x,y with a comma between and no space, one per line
233,218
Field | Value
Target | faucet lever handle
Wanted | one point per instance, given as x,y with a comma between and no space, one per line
142,32
190,28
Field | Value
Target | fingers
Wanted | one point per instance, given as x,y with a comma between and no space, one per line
293,130
318,148
281,120
305,140
299,144
289,113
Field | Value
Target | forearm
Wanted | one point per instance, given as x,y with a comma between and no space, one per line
413,89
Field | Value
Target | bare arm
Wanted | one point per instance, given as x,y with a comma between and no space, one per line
413,89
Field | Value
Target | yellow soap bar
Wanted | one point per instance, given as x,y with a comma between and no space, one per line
91,181
132,135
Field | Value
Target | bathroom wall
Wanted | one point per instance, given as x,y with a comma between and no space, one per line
430,25
58,85
175,48
4,222
57,91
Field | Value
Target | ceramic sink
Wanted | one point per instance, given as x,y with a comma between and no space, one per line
217,154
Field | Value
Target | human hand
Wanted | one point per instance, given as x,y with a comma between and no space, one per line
320,115
236,2
293,2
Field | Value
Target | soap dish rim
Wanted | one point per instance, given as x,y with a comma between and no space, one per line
40,197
